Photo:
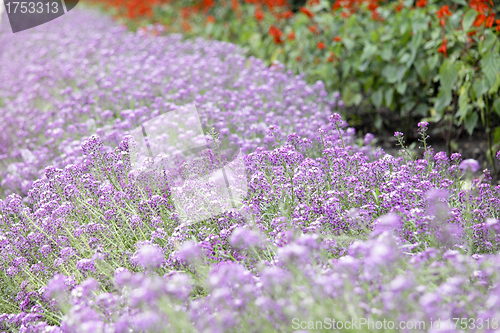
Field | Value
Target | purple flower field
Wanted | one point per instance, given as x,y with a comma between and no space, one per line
330,230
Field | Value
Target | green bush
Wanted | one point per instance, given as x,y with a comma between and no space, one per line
386,70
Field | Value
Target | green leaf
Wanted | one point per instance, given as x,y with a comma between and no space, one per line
490,69
276,54
377,98
421,110
496,86
496,134
442,101
448,75
470,122
423,69
389,92
415,44
368,83
357,99
496,106
433,61
390,73
368,51
405,58
463,102
486,46
480,88
348,43
401,87
469,18
386,53
401,73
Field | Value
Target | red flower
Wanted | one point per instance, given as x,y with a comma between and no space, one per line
210,19
314,29
321,45
399,7
480,18
490,20
479,5
307,12
443,12
372,6
288,14
299,58
421,3
376,16
337,39
207,4
291,36
331,58
259,14
276,33
443,49
314,2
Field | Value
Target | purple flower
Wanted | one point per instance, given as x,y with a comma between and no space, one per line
293,253
85,265
189,252
242,238
470,163
335,118
149,256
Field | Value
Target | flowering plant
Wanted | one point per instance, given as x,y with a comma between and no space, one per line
413,59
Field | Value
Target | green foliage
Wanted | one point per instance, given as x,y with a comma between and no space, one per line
378,65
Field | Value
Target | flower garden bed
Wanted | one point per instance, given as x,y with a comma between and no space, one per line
331,231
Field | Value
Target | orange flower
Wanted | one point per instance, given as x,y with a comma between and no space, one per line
443,49
307,12
421,3
372,6
443,12
207,4
210,19
480,18
259,14
234,5
331,58
186,26
479,5
345,14
314,2
490,20
276,33
321,45
291,36
399,7
288,14
376,16
299,58
337,39
314,29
